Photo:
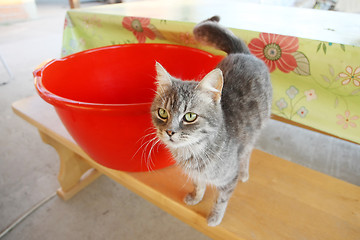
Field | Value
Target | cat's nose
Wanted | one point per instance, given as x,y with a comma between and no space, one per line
170,132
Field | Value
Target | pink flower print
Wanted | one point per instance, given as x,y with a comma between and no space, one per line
281,104
65,23
347,120
310,95
276,51
350,75
302,112
140,28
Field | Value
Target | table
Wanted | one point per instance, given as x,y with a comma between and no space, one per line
313,55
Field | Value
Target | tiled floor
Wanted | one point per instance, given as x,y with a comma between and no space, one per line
104,210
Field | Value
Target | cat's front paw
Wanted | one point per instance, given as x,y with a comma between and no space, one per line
214,219
191,199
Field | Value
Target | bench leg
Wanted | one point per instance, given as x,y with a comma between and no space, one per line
75,173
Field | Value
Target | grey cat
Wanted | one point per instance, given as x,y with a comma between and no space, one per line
211,126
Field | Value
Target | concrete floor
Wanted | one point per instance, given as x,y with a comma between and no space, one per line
105,210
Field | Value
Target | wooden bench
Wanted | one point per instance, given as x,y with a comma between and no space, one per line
282,200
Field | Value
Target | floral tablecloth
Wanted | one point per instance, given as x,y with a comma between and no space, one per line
316,83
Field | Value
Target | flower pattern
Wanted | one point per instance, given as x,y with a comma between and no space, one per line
302,112
281,104
289,109
276,51
292,92
310,95
323,45
323,86
140,28
346,120
66,23
349,75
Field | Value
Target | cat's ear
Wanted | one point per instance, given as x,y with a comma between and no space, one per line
163,77
213,82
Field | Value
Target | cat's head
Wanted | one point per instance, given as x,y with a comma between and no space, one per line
186,112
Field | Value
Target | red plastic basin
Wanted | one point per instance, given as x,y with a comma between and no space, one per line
103,97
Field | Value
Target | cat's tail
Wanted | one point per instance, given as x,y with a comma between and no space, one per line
210,32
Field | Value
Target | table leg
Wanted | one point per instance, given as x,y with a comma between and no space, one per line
75,173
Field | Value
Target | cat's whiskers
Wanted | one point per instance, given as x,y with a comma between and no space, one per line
144,156
144,146
149,159
145,136
142,140
153,131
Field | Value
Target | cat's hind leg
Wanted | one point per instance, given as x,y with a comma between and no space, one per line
245,163
197,195
244,166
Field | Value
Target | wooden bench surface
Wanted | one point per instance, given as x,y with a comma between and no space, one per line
281,200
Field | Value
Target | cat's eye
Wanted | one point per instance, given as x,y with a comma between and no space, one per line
163,114
190,117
